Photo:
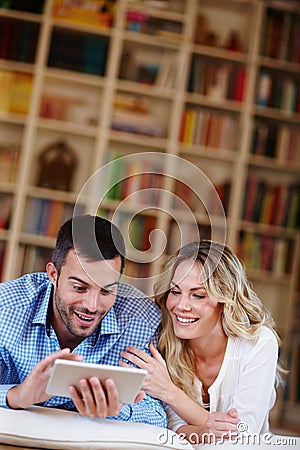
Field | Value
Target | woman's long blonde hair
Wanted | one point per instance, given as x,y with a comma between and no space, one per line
224,278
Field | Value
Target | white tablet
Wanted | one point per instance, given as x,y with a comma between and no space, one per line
66,373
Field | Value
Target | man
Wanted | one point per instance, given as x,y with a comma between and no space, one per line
77,310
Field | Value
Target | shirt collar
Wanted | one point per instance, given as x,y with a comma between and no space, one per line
109,324
40,314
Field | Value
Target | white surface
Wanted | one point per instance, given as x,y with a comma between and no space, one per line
66,373
39,427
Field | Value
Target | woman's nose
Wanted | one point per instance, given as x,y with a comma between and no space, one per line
184,303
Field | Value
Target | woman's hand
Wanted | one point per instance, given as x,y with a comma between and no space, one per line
223,424
219,427
157,383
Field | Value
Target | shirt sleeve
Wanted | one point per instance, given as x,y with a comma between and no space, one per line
255,394
4,385
4,388
149,411
174,420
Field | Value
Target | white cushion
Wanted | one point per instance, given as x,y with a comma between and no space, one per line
40,427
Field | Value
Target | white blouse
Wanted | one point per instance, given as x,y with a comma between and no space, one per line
246,381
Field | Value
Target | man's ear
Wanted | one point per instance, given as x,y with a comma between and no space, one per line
52,272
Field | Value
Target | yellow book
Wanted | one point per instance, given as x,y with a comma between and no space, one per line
6,80
20,93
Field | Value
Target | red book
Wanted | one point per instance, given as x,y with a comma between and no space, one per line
240,84
5,37
251,191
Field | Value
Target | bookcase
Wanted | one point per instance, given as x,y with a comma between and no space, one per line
212,83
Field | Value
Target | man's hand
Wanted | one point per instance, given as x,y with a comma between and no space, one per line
33,388
93,399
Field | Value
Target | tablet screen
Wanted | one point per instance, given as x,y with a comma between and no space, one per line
66,373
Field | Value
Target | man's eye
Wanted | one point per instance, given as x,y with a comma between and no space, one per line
79,288
106,292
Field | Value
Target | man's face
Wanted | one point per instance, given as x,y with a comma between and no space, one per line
83,293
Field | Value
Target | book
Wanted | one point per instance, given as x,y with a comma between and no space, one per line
249,199
264,89
136,123
285,37
289,96
189,126
5,210
165,69
20,93
6,82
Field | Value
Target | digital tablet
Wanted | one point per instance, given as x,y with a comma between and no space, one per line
66,373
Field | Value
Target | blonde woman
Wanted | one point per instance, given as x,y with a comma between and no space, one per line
217,362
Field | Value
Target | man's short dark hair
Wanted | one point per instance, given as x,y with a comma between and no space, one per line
92,237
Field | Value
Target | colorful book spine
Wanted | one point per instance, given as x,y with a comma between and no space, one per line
271,203
261,252
208,129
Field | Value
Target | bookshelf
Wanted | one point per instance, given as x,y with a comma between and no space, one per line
213,83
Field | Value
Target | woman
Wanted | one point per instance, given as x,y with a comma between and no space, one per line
218,344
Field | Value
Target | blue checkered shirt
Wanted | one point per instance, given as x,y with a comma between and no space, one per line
133,320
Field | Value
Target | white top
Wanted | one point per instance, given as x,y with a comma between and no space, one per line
246,381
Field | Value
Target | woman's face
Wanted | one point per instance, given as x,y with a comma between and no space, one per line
194,314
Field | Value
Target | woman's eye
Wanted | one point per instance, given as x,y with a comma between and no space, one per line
174,292
199,296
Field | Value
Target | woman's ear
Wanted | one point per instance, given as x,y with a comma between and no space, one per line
52,273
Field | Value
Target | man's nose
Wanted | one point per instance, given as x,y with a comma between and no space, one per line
92,301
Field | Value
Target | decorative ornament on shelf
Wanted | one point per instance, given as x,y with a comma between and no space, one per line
57,163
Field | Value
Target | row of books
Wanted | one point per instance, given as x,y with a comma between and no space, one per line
276,141
153,68
181,233
136,229
5,209
278,91
282,36
31,6
142,182
135,178
18,40
9,157
218,81
139,21
265,253
271,203
137,123
15,88
91,12
213,201
33,258
209,129
44,216
72,50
